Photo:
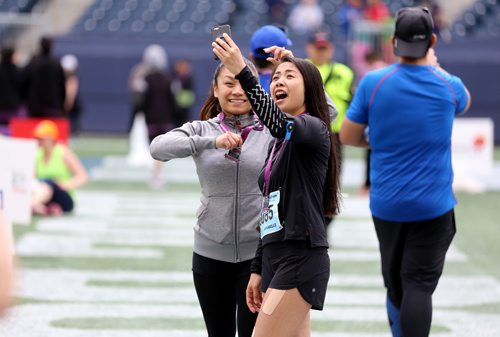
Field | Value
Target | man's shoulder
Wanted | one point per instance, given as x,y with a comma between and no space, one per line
378,74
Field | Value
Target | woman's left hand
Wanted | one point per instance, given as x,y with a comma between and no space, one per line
229,53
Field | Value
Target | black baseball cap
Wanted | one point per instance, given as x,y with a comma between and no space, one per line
413,32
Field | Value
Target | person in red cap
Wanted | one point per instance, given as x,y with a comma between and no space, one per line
338,78
58,170
338,81
404,112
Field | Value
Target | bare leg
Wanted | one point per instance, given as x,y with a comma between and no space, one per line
284,313
42,193
156,180
305,329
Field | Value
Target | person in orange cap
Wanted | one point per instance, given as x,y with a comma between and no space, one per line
58,171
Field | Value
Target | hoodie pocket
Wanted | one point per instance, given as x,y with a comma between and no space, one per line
249,213
215,220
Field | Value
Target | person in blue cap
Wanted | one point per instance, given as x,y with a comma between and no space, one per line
262,38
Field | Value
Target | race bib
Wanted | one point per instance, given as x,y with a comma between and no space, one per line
269,217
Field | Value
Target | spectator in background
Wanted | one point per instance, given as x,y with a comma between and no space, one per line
44,83
440,27
6,263
265,37
10,89
277,11
350,13
58,171
409,109
158,103
306,17
137,85
338,78
72,105
182,86
373,61
376,11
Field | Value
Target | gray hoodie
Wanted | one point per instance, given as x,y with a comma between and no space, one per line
231,198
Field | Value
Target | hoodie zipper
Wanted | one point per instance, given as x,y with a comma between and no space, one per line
236,209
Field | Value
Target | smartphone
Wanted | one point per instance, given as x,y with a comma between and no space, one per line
218,31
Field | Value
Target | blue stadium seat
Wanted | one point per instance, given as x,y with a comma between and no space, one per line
174,17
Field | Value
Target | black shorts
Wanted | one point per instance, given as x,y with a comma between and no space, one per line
294,264
60,196
413,253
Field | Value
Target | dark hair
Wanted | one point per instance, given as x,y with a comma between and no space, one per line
45,45
211,106
261,63
316,105
7,55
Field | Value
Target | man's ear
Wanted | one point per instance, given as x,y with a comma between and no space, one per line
434,40
392,40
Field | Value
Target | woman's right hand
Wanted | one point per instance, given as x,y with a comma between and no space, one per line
254,295
228,141
278,54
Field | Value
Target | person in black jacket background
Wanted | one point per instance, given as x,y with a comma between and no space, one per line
10,89
158,102
44,83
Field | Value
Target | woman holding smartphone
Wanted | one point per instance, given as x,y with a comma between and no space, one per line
225,238
300,183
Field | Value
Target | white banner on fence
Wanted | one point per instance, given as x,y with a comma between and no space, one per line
18,162
472,152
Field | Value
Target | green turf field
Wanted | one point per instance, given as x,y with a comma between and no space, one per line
120,265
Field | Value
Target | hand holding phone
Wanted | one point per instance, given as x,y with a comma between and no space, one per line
218,31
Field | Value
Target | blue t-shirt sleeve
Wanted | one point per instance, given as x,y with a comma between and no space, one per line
358,109
459,91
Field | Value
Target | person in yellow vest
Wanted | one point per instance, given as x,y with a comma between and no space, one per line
58,171
338,78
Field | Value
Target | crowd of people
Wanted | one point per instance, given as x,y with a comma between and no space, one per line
280,139
45,87
267,148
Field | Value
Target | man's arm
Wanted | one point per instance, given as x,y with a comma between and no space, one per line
353,134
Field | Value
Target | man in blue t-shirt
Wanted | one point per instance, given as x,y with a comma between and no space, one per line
407,110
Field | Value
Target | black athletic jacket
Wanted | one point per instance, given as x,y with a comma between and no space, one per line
299,171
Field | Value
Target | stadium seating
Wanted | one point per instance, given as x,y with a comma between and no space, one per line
172,17
17,6
481,19
182,17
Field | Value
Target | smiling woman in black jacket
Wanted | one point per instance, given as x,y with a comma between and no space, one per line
300,184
